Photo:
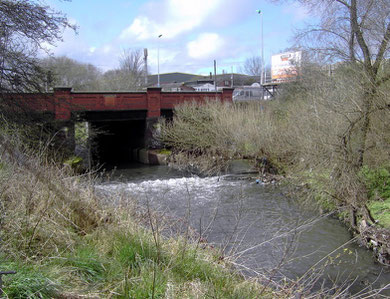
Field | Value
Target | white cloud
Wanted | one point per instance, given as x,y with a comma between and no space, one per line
205,45
142,28
178,16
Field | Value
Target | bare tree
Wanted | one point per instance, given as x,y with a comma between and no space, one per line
130,74
66,72
355,34
24,27
252,66
132,63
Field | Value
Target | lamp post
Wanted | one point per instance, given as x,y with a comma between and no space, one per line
158,61
262,47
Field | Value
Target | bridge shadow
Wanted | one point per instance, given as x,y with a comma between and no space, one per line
114,141
115,135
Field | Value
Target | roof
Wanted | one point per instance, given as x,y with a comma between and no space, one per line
172,78
192,79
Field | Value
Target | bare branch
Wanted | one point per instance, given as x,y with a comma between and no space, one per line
343,3
382,49
25,26
359,35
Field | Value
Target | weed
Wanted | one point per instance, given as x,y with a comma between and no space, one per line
86,263
28,282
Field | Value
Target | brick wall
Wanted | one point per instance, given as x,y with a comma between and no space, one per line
63,101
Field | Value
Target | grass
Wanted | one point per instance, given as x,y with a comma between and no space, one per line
377,181
64,241
126,265
29,282
380,210
314,140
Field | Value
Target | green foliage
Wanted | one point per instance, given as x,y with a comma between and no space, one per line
74,162
189,267
86,263
380,210
165,151
377,182
220,132
147,282
64,71
28,282
81,133
132,250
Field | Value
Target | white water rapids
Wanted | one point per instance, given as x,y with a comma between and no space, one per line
257,224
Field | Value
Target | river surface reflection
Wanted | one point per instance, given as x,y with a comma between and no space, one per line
264,229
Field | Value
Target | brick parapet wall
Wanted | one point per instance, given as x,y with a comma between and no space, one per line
62,102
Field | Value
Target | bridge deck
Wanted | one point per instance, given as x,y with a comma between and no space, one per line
63,103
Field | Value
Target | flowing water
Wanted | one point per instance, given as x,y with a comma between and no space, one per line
265,230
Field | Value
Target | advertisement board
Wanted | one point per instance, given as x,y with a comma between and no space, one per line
285,66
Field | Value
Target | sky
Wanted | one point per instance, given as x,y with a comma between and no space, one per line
194,33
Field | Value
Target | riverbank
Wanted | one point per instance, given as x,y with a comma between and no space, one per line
372,236
278,140
64,239
235,213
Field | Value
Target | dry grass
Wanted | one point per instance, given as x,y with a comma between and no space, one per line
313,132
66,242
43,205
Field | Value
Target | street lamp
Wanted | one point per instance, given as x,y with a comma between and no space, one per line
262,47
158,61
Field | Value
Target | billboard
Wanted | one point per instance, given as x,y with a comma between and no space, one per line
285,66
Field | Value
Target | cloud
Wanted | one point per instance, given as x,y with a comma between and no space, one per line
176,17
205,45
298,12
76,47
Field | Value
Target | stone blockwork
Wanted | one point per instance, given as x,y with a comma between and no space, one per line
150,157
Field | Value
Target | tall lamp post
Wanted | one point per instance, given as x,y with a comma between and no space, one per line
158,61
262,47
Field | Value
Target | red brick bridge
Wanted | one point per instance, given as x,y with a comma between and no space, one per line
64,105
124,120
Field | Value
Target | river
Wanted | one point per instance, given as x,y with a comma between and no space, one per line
262,228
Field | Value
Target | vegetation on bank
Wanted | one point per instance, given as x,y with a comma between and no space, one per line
65,241
311,133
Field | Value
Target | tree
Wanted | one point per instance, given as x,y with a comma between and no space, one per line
25,27
132,63
356,32
355,35
252,66
131,72
67,72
